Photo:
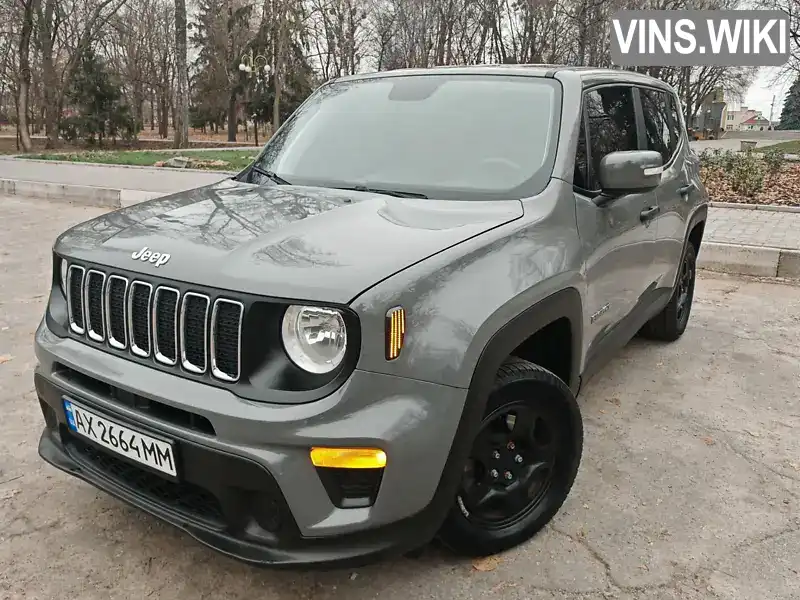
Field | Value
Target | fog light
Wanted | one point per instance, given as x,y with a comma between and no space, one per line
348,458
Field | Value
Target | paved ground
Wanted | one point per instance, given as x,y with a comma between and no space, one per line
754,227
148,180
689,488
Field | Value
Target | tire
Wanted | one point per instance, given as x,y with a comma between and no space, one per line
532,394
671,322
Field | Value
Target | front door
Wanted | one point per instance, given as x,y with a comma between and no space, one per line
664,133
617,237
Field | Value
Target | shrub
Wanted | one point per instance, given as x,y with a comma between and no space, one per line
717,159
774,160
747,174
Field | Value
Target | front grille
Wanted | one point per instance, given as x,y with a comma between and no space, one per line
139,317
116,290
226,333
186,498
165,309
75,298
157,322
194,317
93,300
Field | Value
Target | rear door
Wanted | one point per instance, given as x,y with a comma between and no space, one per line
618,243
664,133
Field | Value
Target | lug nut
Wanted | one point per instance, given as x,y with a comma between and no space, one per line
508,475
494,474
518,458
495,455
511,445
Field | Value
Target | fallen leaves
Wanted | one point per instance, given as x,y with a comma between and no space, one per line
4,358
708,441
486,564
782,189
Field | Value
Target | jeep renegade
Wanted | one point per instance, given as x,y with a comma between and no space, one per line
374,335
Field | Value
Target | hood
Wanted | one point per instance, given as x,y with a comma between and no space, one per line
290,242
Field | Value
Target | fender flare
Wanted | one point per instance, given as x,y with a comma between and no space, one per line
564,303
700,215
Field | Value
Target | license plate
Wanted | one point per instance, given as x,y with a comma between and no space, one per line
130,443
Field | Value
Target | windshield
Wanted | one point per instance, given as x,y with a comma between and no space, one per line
444,136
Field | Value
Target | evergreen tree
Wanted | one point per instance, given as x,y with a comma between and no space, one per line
97,99
790,116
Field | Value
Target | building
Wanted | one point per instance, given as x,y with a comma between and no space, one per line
746,119
711,114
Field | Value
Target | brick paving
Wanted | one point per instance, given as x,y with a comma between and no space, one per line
753,227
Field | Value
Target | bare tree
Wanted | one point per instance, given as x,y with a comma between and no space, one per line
182,93
28,10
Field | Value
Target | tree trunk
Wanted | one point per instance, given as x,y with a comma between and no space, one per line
25,76
232,118
152,111
163,117
276,104
138,108
182,95
48,72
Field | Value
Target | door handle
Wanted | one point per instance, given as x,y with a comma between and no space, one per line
684,190
649,213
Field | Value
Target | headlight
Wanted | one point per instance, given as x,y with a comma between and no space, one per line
64,267
315,337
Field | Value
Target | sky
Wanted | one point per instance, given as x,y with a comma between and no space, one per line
760,94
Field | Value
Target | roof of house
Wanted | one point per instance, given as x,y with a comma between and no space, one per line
754,120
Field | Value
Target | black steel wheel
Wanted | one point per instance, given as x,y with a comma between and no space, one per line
671,322
523,461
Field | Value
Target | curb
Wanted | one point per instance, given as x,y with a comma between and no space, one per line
104,165
84,195
745,206
760,261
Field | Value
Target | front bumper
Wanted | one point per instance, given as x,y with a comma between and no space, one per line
247,486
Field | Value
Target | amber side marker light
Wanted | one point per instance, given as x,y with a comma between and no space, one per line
348,458
395,332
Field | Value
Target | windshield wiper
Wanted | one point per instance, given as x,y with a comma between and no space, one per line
270,175
396,193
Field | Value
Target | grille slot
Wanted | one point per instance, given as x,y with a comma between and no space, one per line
93,285
194,336
75,298
116,288
165,325
226,339
139,317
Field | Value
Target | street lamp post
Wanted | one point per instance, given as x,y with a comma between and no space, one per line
249,67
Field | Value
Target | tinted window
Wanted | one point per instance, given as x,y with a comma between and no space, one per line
658,133
581,175
445,136
675,121
612,125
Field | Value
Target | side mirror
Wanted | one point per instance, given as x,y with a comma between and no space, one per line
629,172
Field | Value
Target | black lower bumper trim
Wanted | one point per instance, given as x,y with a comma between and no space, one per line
334,552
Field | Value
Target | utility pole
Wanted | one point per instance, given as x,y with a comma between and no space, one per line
771,109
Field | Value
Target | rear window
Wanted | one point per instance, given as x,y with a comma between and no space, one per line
444,136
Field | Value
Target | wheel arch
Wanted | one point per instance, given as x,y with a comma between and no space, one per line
696,227
564,304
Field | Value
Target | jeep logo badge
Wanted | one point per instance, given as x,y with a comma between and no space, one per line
146,255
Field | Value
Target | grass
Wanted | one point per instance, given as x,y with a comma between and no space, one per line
235,160
792,147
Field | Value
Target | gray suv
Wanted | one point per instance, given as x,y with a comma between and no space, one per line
374,335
